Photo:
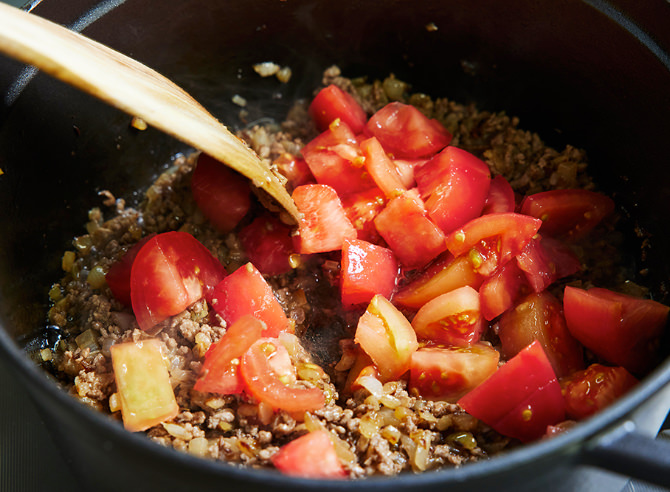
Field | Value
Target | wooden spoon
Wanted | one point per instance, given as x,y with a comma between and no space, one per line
131,87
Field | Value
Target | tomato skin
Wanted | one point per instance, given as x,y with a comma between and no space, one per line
449,373
454,185
367,270
539,316
521,398
118,276
324,225
171,272
381,168
387,337
492,240
545,260
501,291
406,133
335,159
361,209
332,103
220,370
222,195
268,244
408,231
245,292
568,213
265,385
310,456
453,318
621,329
501,197
445,274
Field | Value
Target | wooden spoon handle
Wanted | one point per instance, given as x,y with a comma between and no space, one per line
131,87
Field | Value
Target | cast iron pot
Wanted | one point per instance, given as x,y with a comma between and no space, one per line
595,74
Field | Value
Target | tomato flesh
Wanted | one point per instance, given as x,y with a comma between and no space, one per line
387,337
501,197
367,270
406,228
268,244
454,185
332,103
621,329
335,159
118,276
310,456
449,373
500,291
521,398
264,384
361,209
568,213
245,292
596,387
545,260
406,133
539,316
453,318
222,195
382,169
492,240
295,170
171,272
445,274
220,371
324,225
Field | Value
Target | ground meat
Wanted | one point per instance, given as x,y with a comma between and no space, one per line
383,434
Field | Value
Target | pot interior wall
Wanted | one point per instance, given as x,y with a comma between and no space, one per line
571,74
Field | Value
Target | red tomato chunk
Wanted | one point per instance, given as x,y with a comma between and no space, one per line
521,398
367,270
310,456
332,103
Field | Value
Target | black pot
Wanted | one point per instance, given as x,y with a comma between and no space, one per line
592,73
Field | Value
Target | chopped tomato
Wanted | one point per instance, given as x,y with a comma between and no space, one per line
545,260
492,240
335,159
171,272
622,329
367,270
449,373
245,292
453,318
324,225
309,456
361,209
222,195
445,274
500,291
118,276
568,213
405,168
540,317
361,367
501,197
521,398
382,169
454,185
220,371
387,337
268,244
332,103
294,169
405,132
596,387
264,384
143,384
408,231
